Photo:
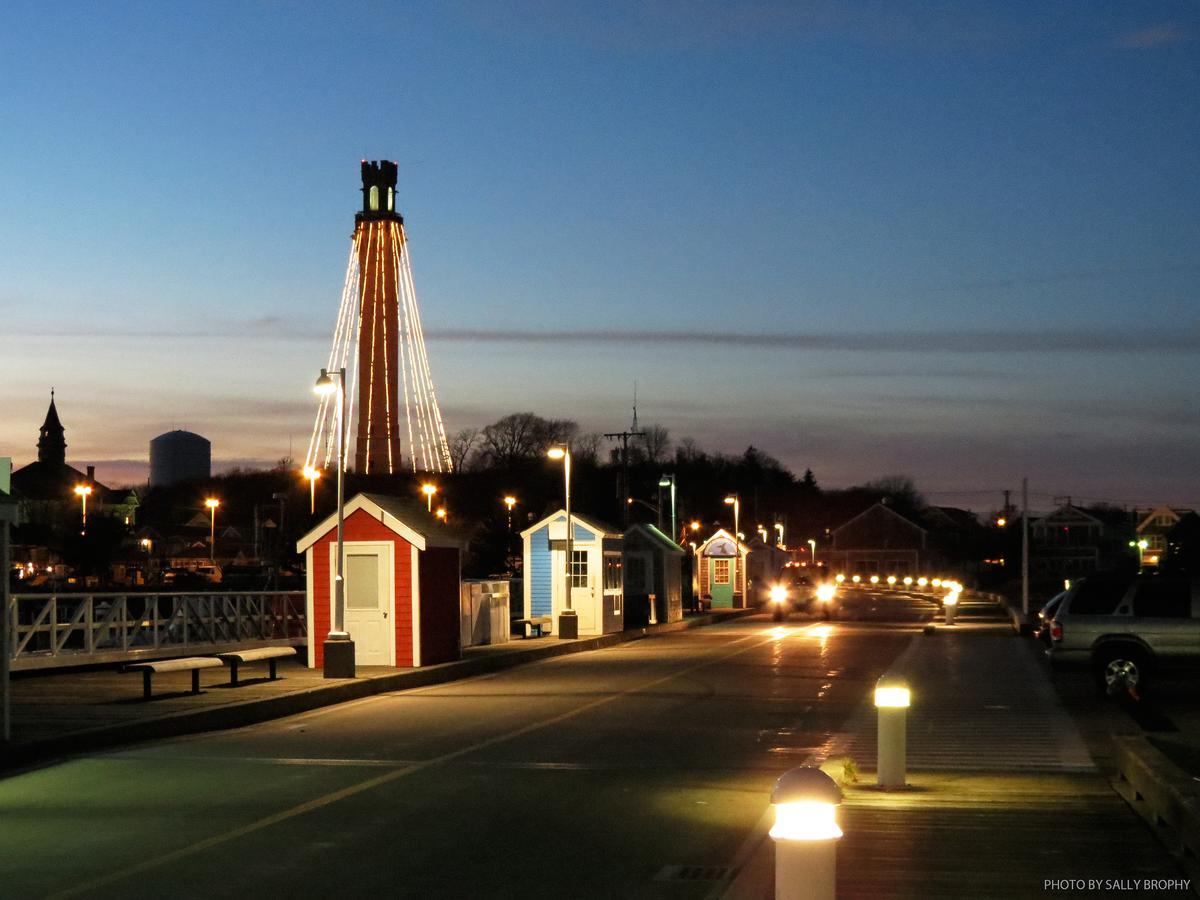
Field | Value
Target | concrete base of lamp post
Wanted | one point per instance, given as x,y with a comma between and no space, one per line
339,658
568,625
806,870
892,761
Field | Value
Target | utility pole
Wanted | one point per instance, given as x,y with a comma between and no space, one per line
624,436
1025,548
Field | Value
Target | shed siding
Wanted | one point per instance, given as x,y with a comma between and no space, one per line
439,580
539,574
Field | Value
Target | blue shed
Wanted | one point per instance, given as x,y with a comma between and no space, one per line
597,583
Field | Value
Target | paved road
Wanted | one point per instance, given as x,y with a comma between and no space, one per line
582,776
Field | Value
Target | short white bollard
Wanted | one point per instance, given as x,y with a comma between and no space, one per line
950,606
892,699
806,833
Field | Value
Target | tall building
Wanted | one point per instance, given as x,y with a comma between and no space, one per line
179,456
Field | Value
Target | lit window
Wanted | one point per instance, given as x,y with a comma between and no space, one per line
391,198
721,571
579,568
374,195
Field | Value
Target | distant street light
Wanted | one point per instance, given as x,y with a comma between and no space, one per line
812,546
338,649
735,501
762,532
429,490
83,491
663,482
147,545
779,528
1140,545
509,503
441,513
568,621
312,474
212,503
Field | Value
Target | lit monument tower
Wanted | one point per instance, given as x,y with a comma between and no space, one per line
378,339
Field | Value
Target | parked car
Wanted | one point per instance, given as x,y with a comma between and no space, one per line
1041,629
1126,629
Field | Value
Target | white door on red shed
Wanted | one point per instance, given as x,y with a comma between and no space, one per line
370,603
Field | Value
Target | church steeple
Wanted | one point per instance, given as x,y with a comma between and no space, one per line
52,444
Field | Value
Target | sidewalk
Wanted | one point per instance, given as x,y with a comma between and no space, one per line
1003,798
70,712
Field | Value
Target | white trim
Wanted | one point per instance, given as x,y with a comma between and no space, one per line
527,575
371,508
308,607
600,533
416,609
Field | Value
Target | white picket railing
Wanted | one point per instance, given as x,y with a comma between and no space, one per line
55,630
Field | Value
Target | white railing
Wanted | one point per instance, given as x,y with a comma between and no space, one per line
49,631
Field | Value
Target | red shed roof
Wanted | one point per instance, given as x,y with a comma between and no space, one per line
407,519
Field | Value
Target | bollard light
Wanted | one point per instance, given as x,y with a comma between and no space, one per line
856,579
950,606
922,581
908,581
806,834
839,577
874,579
937,582
892,699
891,580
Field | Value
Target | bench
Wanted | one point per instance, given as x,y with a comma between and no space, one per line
190,663
538,622
271,654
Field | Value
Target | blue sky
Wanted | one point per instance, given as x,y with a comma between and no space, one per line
968,229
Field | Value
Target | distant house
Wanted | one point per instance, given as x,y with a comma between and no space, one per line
1153,527
881,541
1073,541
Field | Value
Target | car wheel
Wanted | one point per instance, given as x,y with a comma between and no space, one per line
1122,668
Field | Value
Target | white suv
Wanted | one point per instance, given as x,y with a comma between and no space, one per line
1125,628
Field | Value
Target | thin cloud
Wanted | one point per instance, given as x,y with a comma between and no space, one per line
1059,277
1160,35
1040,341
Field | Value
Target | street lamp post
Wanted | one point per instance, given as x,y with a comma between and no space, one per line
147,545
779,528
509,502
312,474
663,482
212,503
812,548
735,501
429,490
568,621
338,648
83,491
1141,549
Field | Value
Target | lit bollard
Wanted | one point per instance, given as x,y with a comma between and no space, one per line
806,833
950,606
891,699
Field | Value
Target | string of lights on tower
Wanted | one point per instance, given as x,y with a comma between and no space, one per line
378,340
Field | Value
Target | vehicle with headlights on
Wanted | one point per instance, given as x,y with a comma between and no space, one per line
795,590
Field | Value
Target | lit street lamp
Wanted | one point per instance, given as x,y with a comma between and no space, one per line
212,503
734,501
429,490
812,546
779,528
663,482
338,648
312,474
83,491
1140,545
147,544
568,621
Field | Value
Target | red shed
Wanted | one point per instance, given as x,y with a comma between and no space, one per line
402,583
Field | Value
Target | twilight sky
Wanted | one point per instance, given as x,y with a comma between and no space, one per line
956,240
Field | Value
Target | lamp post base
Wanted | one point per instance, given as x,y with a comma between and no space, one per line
568,625
339,658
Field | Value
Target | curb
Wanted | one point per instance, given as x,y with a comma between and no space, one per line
1162,794
250,712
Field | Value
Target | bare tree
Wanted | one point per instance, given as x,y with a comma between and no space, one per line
461,446
586,447
520,437
655,442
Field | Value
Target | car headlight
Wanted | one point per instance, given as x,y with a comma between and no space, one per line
778,594
826,592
